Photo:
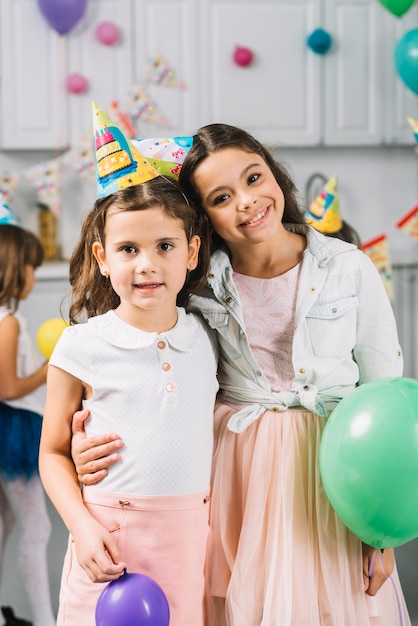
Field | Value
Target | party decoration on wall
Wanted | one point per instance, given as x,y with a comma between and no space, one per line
107,33
397,7
76,83
406,59
48,334
132,600
242,56
414,125
141,107
368,461
62,15
319,41
165,155
81,158
6,215
118,163
9,181
377,249
324,212
122,119
409,223
161,73
46,178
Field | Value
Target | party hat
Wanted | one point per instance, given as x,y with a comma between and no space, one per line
324,212
414,125
119,164
6,216
165,154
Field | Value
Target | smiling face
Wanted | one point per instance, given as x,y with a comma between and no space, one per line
146,254
242,198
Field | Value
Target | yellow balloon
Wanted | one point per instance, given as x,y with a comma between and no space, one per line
48,334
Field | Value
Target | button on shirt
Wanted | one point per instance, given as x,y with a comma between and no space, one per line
157,391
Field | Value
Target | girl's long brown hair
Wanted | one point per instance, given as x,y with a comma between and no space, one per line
18,247
92,293
215,137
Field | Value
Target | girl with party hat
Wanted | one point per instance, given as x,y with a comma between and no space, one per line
143,366
22,397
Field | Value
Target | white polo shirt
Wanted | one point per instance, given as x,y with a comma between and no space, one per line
157,391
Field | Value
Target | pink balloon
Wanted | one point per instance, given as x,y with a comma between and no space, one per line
76,83
243,56
107,33
62,15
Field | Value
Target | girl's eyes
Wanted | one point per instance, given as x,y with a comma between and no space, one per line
165,246
128,249
220,199
253,178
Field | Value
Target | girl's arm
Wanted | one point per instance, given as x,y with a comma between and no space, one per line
96,549
92,455
12,387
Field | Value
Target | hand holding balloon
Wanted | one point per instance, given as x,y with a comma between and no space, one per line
48,334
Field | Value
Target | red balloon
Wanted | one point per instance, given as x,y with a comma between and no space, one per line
243,56
132,600
62,15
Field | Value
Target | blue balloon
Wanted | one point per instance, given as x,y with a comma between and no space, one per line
319,41
406,59
132,600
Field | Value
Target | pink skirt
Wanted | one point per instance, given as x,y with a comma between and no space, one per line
278,553
164,538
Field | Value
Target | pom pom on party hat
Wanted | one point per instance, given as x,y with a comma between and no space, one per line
119,164
165,154
6,216
324,212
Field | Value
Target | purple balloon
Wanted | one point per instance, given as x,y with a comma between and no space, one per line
62,15
132,600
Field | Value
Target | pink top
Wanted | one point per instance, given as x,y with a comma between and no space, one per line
270,303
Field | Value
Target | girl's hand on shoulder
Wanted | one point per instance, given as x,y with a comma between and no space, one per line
384,563
97,551
92,455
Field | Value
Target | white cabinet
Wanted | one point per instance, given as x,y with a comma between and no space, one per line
288,96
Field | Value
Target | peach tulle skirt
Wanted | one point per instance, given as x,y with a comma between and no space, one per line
278,554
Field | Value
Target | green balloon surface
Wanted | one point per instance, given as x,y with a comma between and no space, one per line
397,7
368,461
406,59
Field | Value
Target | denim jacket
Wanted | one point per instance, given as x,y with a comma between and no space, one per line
345,331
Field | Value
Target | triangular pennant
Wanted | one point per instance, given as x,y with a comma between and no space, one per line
377,250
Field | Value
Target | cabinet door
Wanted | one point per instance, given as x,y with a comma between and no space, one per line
33,103
166,35
277,97
354,101
109,70
401,101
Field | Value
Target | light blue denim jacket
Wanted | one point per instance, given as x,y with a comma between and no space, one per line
345,331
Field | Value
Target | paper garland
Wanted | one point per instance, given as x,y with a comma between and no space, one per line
377,250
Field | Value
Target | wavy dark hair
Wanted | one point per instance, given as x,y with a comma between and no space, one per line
18,247
216,137
92,294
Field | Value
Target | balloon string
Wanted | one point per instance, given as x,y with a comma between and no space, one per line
370,572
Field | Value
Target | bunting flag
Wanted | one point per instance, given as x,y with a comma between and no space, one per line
9,181
409,223
81,158
414,125
161,73
377,250
122,120
141,107
46,178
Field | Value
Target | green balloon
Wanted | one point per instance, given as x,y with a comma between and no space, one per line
368,460
397,7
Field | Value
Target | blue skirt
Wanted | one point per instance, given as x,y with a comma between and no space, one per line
20,434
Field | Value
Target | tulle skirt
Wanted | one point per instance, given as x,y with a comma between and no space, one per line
20,434
278,554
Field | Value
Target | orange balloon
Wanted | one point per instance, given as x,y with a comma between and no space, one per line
48,334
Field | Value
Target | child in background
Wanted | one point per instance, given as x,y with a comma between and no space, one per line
22,397
302,319
135,263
